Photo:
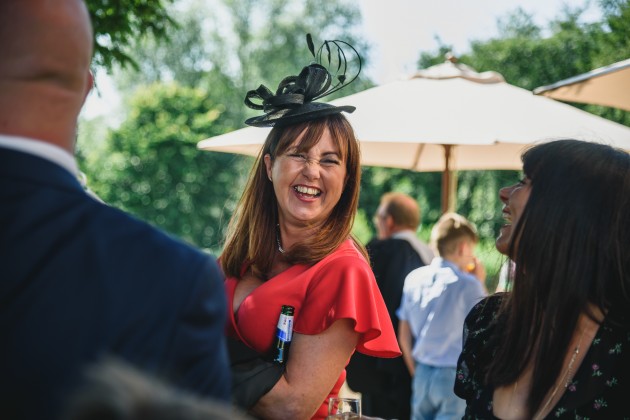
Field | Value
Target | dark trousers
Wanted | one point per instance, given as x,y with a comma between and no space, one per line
391,401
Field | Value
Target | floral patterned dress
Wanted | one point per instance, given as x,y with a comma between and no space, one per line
599,390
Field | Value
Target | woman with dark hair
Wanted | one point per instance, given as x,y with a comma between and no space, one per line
289,243
558,344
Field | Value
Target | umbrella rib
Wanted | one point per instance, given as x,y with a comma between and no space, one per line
416,158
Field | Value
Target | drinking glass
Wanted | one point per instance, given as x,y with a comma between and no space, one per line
344,408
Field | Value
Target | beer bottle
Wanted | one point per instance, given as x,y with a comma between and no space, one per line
284,334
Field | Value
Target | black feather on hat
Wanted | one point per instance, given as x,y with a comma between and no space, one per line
293,101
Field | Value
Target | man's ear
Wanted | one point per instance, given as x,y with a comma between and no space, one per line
389,223
89,84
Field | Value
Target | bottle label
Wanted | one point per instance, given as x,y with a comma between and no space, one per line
285,327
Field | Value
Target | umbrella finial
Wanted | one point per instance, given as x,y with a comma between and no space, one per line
450,57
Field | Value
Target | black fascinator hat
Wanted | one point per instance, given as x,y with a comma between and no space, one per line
294,99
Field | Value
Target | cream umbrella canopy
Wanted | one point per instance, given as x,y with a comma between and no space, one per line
449,117
608,86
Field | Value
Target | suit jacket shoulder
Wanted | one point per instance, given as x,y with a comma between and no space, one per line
81,279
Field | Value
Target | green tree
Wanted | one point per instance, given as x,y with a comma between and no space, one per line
528,60
423,186
478,198
117,23
185,57
529,56
150,166
231,46
154,170
616,32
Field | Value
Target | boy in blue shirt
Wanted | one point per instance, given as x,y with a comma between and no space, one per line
436,299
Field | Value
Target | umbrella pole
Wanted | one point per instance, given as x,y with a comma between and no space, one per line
446,179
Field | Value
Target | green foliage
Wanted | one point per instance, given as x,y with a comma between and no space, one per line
219,50
117,23
616,38
528,59
518,24
425,187
153,169
362,227
181,57
150,165
231,46
492,260
267,40
428,59
478,198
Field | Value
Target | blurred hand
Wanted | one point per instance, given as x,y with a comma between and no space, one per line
477,269
480,272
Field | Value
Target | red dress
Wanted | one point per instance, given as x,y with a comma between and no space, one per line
341,285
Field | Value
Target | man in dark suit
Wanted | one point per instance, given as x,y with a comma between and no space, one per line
385,384
78,279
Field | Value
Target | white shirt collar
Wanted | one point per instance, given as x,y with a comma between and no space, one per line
42,149
422,249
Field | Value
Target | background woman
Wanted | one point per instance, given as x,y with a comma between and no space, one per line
558,345
289,243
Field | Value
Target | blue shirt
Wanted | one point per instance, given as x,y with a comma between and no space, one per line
436,299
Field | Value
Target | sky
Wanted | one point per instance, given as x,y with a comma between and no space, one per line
398,30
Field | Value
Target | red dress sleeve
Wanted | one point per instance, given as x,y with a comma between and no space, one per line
345,287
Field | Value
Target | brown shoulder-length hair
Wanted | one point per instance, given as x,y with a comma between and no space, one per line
251,236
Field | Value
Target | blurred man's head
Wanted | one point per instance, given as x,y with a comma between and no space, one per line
396,212
45,57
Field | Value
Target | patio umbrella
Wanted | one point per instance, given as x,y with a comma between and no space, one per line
608,86
447,118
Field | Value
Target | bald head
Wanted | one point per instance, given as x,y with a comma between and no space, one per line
396,212
404,209
45,57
